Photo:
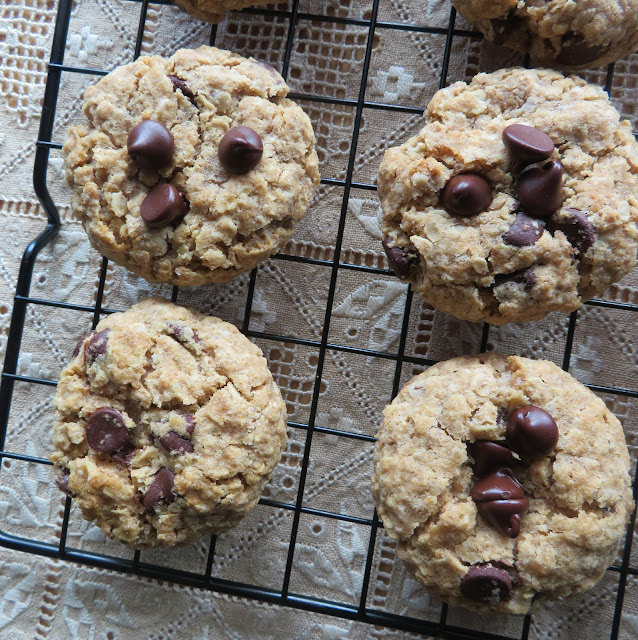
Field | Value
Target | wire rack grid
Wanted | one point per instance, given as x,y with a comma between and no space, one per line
206,580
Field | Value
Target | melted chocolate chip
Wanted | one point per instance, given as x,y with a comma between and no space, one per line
489,456
161,489
540,189
500,500
466,195
504,26
526,277
397,258
151,145
531,431
105,430
575,51
175,443
179,332
527,144
79,343
524,232
485,583
190,424
499,485
576,227
62,482
163,204
180,84
96,346
124,455
240,150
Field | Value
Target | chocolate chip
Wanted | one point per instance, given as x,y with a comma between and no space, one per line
527,144
175,443
575,51
79,343
105,430
531,431
500,500
466,194
397,258
270,68
540,189
489,456
190,424
575,225
96,346
179,332
240,150
62,482
124,455
151,145
526,277
525,231
180,84
499,485
485,583
161,489
504,26
163,204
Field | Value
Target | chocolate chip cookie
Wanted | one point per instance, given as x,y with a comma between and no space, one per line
214,10
563,33
168,424
517,198
504,481
193,168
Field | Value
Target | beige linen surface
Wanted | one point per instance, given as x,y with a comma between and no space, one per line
43,598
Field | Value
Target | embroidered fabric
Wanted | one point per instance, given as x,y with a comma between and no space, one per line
45,598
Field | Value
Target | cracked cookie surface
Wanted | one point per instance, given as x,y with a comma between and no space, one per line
214,10
168,425
470,266
579,494
233,221
571,35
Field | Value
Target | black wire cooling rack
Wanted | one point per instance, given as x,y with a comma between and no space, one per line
205,579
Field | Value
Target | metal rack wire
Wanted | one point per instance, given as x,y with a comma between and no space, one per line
205,579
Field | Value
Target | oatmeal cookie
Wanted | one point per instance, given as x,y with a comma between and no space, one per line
193,168
503,480
214,10
168,425
518,197
571,35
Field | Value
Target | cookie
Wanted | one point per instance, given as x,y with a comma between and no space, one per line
518,197
214,10
503,480
168,425
193,168
562,33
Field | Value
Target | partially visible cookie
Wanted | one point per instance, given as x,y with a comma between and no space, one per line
571,35
214,10
503,480
168,425
193,168
518,197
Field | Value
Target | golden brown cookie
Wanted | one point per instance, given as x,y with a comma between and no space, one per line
563,33
518,197
193,168
168,425
503,480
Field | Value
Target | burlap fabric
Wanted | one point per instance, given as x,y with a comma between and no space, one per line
42,598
